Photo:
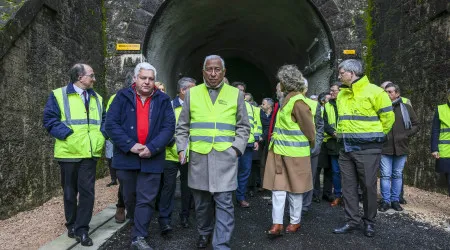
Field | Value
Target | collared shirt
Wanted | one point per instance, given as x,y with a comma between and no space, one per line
80,92
143,115
181,101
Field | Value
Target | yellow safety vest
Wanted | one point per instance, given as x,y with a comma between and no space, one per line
171,152
358,121
287,137
86,141
313,106
212,125
258,123
251,119
331,115
444,132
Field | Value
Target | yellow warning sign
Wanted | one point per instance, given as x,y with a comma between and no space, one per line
128,46
349,52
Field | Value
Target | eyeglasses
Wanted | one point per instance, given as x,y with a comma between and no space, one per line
91,75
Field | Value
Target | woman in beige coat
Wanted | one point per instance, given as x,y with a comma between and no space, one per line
290,176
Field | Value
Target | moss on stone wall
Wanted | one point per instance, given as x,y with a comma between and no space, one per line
369,42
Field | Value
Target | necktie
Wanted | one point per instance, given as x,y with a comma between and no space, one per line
86,101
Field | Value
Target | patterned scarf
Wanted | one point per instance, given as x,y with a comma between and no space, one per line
405,114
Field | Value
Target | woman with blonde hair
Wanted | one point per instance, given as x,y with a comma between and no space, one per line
288,166
160,86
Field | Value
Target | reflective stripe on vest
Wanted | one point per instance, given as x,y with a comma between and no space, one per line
86,141
331,118
171,152
287,138
251,119
212,125
258,124
444,132
357,117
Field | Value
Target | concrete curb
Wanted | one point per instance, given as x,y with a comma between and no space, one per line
102,227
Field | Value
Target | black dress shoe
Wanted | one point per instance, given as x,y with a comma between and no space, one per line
345,229
384,206
202,241
165,229
328,198
396,206
184,222
402,201
369,230
84,239
71,233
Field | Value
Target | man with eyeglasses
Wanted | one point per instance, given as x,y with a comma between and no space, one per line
74,115
213,131
330,117
365,117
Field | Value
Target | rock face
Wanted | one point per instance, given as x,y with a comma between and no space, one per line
412,46
403,41
38,46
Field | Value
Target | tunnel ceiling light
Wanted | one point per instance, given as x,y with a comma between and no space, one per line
312,44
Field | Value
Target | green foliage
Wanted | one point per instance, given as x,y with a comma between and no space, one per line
5,16
369,42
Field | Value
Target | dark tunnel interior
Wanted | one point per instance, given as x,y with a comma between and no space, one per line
255,38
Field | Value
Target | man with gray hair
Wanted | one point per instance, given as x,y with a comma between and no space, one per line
213,129
167,190
140,122
365,117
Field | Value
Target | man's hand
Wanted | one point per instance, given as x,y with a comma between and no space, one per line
256,146
435,155
137,148
180,157
145,153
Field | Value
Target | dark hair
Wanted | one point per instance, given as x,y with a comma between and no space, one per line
322,96
339,84
236,84
76,71
396,87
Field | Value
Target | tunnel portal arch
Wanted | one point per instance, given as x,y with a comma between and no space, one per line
253,36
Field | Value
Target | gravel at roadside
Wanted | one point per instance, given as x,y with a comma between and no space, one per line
34,228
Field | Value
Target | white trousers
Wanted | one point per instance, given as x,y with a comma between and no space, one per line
295,206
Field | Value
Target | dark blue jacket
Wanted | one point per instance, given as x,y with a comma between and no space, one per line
121,127
52,115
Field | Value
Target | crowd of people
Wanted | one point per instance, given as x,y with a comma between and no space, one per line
225,146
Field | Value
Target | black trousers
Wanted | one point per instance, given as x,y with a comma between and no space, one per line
78,179
324,162
363,166
167,191
112,172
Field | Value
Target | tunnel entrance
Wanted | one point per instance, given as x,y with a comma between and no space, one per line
255,37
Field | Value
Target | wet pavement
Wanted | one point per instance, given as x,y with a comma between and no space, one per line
393,231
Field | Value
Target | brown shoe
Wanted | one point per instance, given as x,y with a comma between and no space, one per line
336,202
275,230
244,204
292,228
120,215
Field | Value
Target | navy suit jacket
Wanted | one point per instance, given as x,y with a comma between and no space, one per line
121,127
